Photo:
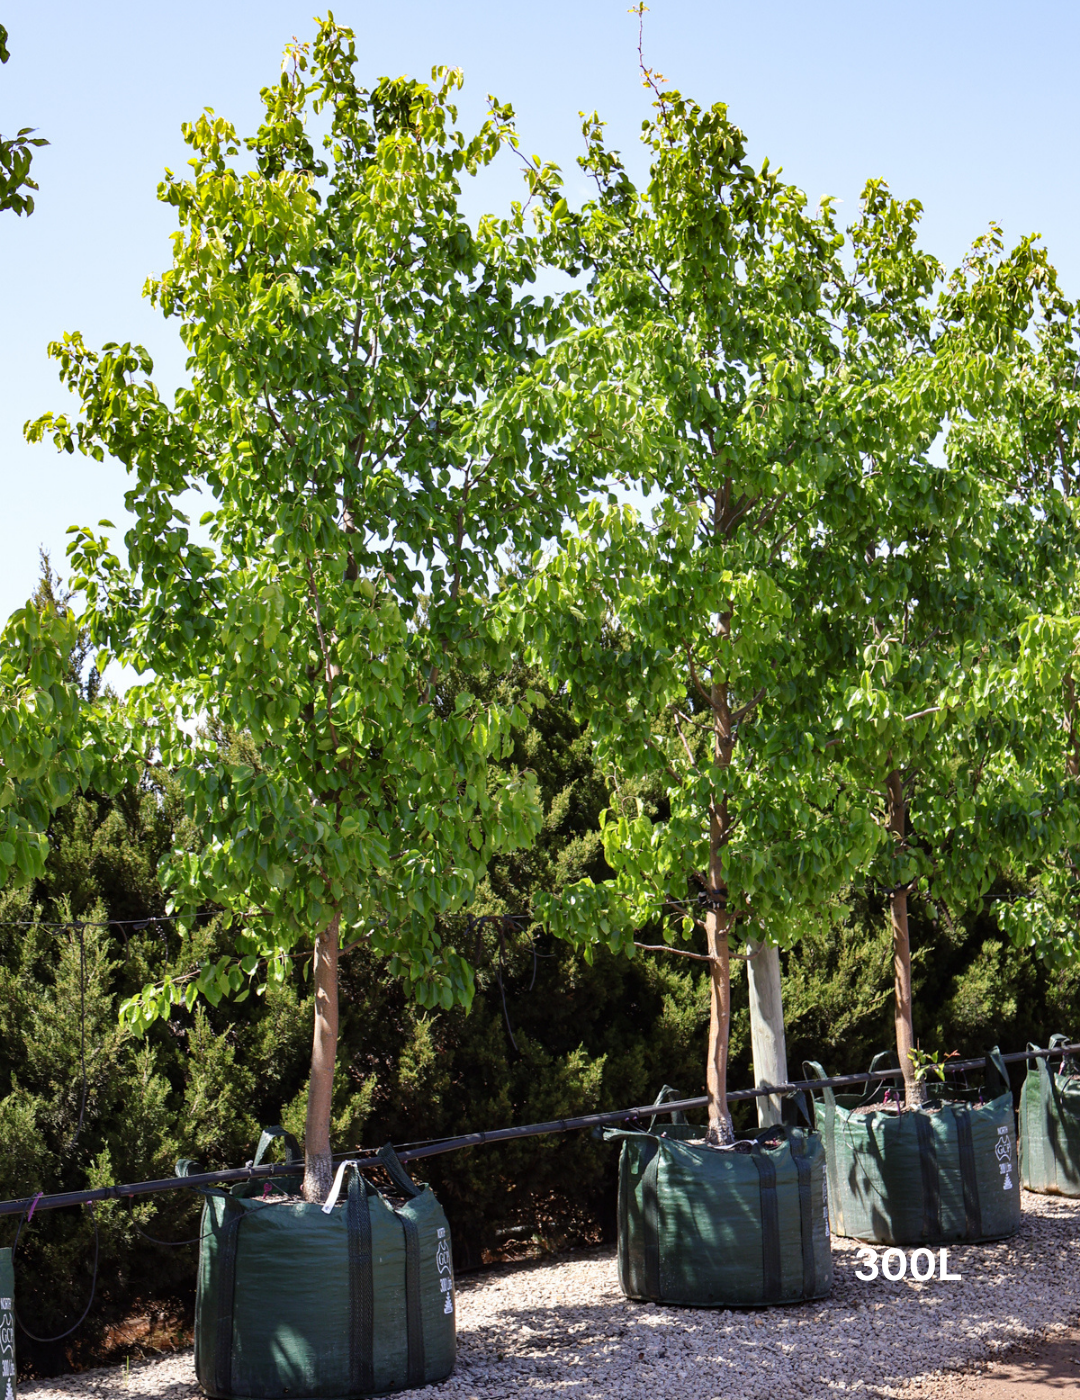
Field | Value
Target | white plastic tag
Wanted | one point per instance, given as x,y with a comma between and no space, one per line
335,1190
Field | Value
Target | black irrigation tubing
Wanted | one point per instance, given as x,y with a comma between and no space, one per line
29,1204
168,1244
117,923
80,929
144,1188
93,1286
599,1120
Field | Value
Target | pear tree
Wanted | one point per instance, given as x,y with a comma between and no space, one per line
936,691
372,422
758,374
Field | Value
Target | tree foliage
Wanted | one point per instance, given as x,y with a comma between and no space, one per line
16,154
41,764
374,425
812,640
354,350
825,660
757,383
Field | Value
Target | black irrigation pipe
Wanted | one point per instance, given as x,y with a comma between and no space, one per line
599,1120
29,1204
136,924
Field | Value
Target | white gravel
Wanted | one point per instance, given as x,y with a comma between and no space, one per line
562,1327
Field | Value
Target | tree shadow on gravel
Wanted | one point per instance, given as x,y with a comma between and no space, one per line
564,1324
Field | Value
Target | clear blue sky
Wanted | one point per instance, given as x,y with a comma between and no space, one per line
974,108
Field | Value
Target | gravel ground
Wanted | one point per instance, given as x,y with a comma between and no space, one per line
562,1327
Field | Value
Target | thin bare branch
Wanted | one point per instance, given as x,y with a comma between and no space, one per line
679,952
743,710
778,546
697,723
377,461
686,745
289,438
672,772
706,696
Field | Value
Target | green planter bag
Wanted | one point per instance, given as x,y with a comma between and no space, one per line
922,1177
711,1228
7,1326
348,1299
1050,1126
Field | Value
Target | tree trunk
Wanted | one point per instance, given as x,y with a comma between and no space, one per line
767,1027
1072,739
914,1089
721,1132
718,922
318,1165
1072,701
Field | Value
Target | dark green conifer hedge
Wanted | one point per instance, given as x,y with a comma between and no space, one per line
548,1036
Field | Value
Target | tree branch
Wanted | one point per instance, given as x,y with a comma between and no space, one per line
394,440
673,773
741,713
331,671
706,696
778,546
679,952
686,746
289,438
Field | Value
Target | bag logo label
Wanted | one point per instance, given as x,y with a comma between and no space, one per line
1003,1152
7,1347
442,1260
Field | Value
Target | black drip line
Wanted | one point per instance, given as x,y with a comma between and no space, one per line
80,929
152,920
93,1280
506,924
431,1147
231,1224
165,1244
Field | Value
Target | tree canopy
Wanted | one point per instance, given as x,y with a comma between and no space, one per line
370,423
815,604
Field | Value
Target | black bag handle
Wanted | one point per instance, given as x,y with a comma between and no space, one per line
293,1156
1055,1042
813,1070
884,1059
798,1103
996,1070
391,1164
667,1092
1048,1084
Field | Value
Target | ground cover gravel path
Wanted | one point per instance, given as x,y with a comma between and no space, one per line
562,1328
